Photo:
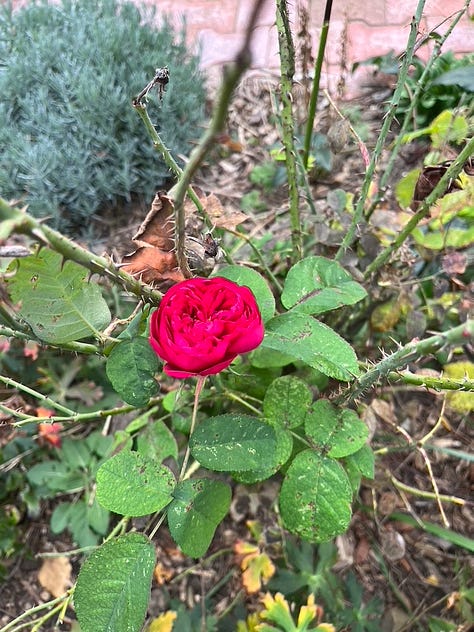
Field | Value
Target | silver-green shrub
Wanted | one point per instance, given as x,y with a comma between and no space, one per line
70,142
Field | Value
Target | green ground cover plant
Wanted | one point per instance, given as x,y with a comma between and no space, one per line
255,373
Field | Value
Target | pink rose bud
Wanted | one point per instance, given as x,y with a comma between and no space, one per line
202,325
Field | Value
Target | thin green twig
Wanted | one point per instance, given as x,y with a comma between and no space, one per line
232,74
77,347
13,625
8,381
429,381
258,253
390,115
316,81
75,417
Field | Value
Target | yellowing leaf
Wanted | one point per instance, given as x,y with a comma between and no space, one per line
459,401
309,612
55,575
277,610
164,623
258,569
245,548
251,625
384,317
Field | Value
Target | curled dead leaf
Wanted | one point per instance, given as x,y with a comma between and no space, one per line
154,261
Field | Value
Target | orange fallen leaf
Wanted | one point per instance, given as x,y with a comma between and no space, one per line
257,567
162,574
49,433
55,575
227,141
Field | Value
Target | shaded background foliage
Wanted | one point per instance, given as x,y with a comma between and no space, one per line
71,142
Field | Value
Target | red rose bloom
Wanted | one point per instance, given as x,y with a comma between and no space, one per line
202,325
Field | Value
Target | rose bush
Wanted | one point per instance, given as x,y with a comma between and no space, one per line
202,325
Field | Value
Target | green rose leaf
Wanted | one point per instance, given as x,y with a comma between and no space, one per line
315,497
113,586
131,367
312,342
316,285
233,443
363,461
195,512
262,358
283,450
254,281
57,301
287,401
157,442
339,432
131,485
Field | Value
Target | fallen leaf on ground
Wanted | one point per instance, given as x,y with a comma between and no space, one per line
55,575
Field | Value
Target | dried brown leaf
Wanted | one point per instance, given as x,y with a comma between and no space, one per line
153,266
55,575
222,217
156,229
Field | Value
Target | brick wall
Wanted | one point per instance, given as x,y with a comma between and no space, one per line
367,28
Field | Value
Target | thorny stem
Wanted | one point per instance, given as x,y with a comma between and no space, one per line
390,115
69,414
232,75
316,81
409,353
76,417
43,398
23,223
287,65
451,173
78,347
164,151
413,103
430,381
